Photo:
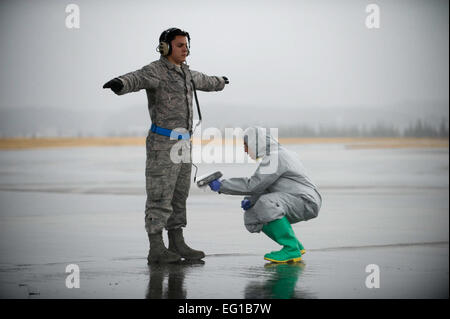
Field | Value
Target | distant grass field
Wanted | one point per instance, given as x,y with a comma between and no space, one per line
352,143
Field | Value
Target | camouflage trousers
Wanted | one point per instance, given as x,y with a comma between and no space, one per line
167,186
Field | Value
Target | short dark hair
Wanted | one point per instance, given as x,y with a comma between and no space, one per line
170,34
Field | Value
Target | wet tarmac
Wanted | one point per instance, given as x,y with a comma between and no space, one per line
85,207
405,272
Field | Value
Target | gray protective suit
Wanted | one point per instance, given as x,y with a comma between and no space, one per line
279,187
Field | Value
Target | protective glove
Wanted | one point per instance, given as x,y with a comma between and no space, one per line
226,79
115,84
246,204
215,185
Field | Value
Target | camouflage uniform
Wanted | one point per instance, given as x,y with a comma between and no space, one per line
169,93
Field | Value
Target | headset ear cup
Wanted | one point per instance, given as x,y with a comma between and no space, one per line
164,48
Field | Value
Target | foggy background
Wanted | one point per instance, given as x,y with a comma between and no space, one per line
311,68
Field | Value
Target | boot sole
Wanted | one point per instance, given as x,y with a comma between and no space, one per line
187,256
157,261
294,260
302,252
193,258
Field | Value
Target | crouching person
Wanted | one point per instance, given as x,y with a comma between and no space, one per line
277,195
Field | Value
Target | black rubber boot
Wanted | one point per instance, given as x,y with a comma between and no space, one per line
159,253
177,245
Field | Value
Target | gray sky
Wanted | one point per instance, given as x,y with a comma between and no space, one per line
282,54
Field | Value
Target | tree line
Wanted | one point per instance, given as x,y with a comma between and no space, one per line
418,129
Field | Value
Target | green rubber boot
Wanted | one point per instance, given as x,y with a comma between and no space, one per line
281,231
299,244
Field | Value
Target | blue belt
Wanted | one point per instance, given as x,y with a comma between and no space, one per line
169,133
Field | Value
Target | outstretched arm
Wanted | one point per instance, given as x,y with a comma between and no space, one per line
144,78
208,83
256,184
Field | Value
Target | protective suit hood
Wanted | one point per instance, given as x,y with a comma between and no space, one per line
259,142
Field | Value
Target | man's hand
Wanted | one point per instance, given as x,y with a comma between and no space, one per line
115,84
226,79
215,185
246,204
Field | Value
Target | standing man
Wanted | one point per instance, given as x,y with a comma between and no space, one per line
169,84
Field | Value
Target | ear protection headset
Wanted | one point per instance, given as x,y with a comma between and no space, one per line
167,36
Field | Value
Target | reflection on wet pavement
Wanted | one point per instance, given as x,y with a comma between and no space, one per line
279,284
412,271
173,275
279,281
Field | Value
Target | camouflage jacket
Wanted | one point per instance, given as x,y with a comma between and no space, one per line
169,93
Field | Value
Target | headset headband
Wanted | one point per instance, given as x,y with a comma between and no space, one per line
172,30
